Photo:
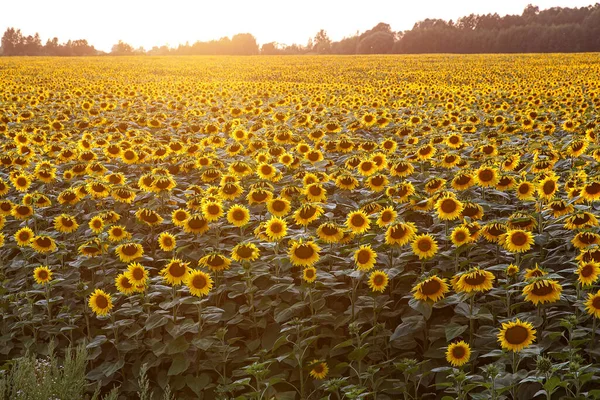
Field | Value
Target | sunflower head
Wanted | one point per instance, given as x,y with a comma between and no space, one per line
433,288
424,246
100,302
199,283
42,275
304,254
458,353
309,274
378,280
516,335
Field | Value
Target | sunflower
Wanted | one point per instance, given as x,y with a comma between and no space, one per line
319,370
149,217
377,183
65,223
525,191
92,248
516,240
215,262
96,224
424,246
463,181
346,182
212,210
245,252
592,304
238,215
434,184
588,273
279,207
487,176
585,239
581,220
493,231
365,258
402,169
259,196
400,233
378,281
511,271
196,224
330,232
591,191
199,283
307,213
42,275
309,274
475,280
458,353
117,233
175,272
21,212
275,228
6,207
516,335
358,222
448,208
542,290
167,241
129,251
22,183
24,236
100,302
304,254
386,217
547,187
433,288
123,285
460,235
315,193
43,244
137,274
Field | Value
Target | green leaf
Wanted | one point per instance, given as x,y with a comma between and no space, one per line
155,321
454,330
180,363
178,345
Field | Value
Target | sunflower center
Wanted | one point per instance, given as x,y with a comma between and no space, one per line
448,206
318,369
460,236
516,335
276,227
199,282
43,242
463,179
215,261
424,245
518,238
596,302
542,289
378,280
197,223
130,249
177,269
524,188
245,252
581,219
475,279
593,188
549,187
309,273
377,181
125,283
213,209
363,256
239,215
486,175
42,274
430,287
587,270
458,352
357,220
307,212
167,241
315,190
101,302
138,274
304,251
386,216
259,196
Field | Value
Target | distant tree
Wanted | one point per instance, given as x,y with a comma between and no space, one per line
269,49
12,42
376,43
322,43
122,49
244,44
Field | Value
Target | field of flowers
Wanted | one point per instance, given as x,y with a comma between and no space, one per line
305,227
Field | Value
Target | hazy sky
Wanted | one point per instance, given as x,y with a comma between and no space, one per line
148,23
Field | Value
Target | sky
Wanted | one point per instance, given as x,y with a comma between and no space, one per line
155,23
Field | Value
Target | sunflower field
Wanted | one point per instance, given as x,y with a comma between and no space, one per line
374,227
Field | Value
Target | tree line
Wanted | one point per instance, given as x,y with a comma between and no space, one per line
557,29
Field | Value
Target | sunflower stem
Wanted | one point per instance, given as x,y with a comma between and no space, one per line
200,322
47,285
471,319
593,340
174,293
